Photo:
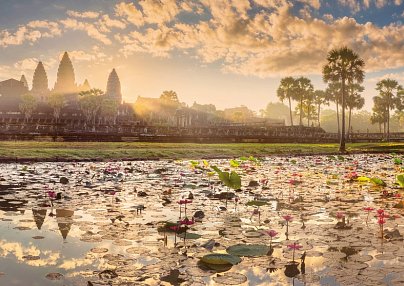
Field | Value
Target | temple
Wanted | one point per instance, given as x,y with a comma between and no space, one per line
114,87
65,82
40,83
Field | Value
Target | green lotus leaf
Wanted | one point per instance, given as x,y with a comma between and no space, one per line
256,203
189,235
400,180
249,250
221,259
378,182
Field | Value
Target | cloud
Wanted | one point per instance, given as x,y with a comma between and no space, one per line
83,15
354,5
29,33
316,4
268,43
87,27
129,12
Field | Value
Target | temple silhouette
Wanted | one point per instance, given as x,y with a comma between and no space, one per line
72,111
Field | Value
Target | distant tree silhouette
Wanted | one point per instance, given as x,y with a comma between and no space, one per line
56,101
28,105
286,91
90,103
303,91
169,96
389,98
354,101
333,92
109,110
320,98
344,66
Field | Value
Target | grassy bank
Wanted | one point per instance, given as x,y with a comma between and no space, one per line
29,150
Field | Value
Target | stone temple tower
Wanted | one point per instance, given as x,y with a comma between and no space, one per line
65,82
24,81
114,87
40,83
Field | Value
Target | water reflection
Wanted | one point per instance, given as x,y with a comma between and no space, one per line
110,221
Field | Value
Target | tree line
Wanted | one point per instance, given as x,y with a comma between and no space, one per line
343,74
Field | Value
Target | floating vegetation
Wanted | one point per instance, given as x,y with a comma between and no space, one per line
331,220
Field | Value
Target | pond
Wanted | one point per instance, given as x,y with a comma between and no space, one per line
314,220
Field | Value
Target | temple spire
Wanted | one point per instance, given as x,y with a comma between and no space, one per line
40,82
65,82
114,87
24,81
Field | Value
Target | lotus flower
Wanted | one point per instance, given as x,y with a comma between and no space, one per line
295,247
288,218
51,194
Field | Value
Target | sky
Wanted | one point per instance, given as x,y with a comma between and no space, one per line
225,52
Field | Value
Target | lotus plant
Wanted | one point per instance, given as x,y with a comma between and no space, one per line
368,209
271,233
288,218
294,247
184,202
381,216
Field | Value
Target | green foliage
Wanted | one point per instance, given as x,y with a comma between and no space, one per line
249,250
256,203
231,180
397,161
400,180
220,259
378,182
234,163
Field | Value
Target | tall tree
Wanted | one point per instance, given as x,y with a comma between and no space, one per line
302,91
90,103
286,91
109,110
390,95
344,66
334,94
320,98
56,101
28,105
354,101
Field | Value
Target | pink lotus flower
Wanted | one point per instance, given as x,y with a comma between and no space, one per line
380,212
175,227
51,194
381,221
340,215
369,209
295,246
186,221
288,218
184,202
271,233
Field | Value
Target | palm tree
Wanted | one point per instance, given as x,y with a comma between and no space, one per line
320,98
285,91
354,101
390,95
333,92
343,66
379,114
302,91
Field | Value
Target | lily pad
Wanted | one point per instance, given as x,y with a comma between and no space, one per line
256,203
220,259
249,250
189,235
